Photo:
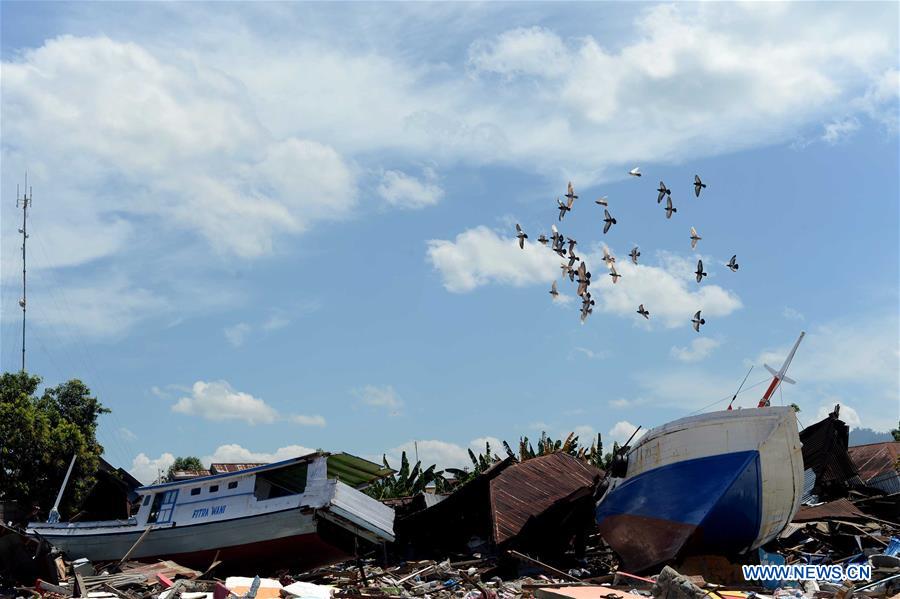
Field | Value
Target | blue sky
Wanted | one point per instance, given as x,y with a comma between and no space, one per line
261,228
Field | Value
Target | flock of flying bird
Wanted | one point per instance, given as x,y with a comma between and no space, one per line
565,247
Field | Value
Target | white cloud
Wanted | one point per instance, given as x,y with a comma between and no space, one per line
107,308
846,413
182,138
217,400
619,403
881,99
385,397
275,322
305,420
593,355
237,334
792,314
622,430
147,469
839,129
699,349
233,452
126,434
404,191
442,453
522,51
480,256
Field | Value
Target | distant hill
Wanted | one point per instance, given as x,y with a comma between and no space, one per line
862,436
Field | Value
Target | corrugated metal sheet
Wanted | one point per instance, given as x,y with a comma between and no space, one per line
825,452
233,467
840,509
527,489
878,465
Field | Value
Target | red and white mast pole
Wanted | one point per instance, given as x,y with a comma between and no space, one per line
779,376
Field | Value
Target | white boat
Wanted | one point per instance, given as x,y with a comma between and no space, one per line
299,512
718,483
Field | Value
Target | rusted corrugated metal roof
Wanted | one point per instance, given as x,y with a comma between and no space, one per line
839,509
878,464
531,487
233,467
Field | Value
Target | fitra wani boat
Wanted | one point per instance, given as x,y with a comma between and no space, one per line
719,483
301,512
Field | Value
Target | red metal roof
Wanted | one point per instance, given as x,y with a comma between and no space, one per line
840,509
875,459
233,467
529,488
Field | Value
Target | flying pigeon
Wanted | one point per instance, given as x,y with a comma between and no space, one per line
543,239
585,312
670,208
602,201
571,243
643,312
565,270
694,238
572,257
663,191
521,235
555,233
608,219
584,279
608,258
634,254
553,291
697,321
563,208
732,264
615,276
700,274
635,172
570,193
698,185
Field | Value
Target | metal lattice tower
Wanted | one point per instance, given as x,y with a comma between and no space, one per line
23,202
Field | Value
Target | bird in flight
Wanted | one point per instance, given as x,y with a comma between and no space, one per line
608,257
694,238
635,253
732,264
699,272
670,208
521,235
698,185
584,279
543,239
563,208
663,191
697,321
635,172
615,276
602,201
570,193
643,312
553,291
608,219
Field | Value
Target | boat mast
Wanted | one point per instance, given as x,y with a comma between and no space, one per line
779,376
23,202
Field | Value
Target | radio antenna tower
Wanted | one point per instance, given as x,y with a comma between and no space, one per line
23,202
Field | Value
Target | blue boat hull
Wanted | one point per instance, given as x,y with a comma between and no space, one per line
703,505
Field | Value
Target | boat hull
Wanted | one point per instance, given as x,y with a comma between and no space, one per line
291,537
721,483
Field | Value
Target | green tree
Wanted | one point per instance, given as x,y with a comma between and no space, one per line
407,481
39,437
796,408
896,432
188,463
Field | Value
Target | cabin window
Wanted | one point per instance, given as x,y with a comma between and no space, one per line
232,484
163,505
281,482
146,499
195,491
214,488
